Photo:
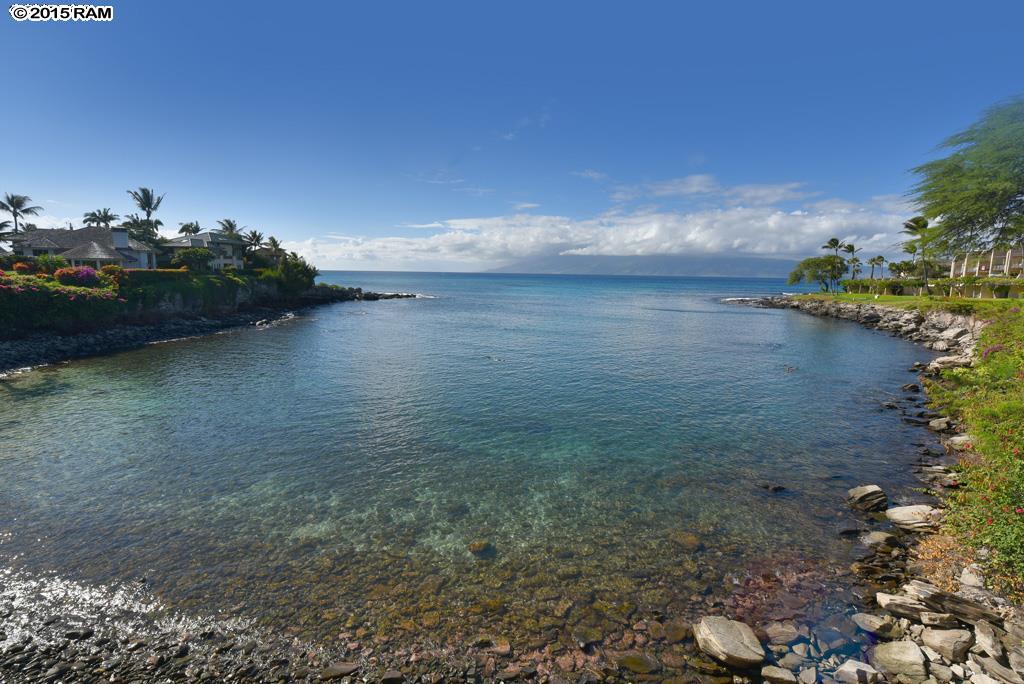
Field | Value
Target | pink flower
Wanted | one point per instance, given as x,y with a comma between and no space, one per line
1018,510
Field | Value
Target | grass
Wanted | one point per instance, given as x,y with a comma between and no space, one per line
987,510
984,308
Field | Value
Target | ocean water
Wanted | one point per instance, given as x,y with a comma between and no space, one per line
608,438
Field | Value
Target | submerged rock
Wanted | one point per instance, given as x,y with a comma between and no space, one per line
688,540
482,548
729,641
639,663
883,626
339,670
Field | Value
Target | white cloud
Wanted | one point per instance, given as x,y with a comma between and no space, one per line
481,243
707,186
519,206
697,184
432,224
591,174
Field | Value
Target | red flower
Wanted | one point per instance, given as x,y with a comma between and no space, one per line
1019,510
990,521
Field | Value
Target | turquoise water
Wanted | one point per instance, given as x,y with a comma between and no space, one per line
609,438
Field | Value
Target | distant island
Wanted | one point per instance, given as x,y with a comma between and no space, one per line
653,265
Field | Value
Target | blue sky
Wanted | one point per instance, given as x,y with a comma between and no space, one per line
465,135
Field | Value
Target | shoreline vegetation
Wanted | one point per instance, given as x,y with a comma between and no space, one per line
45,319
977,390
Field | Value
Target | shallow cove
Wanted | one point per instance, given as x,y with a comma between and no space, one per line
608,436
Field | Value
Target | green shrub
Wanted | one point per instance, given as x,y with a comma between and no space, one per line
134,277
293,276
49,263
196,259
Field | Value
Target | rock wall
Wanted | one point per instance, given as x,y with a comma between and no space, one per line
939,330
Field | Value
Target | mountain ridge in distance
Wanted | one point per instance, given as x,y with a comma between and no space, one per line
652,265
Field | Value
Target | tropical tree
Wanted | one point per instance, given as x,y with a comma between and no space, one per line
146,200
835,244
876,261
925,242
190,228
855,266
143,230
825,270
253,240
276,250
100,217
18,207
977,190
230,228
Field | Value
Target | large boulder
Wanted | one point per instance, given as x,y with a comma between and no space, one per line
855,672
867,498
949,362
951,644
900,658
729,641
917,518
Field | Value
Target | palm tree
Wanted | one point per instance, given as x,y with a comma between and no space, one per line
835,244
230,228
253,240
855,268
144,230
190,228
18,207
100,217
920,239
876,261
276,250
146,200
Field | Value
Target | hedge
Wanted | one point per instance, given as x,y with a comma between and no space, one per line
29,304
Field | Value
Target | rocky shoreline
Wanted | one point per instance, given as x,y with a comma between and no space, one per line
905,628
44,348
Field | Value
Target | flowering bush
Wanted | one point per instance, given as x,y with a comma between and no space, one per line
23,268
81,276
111,275
31,304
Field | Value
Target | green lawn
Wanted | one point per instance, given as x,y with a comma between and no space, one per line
961,305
